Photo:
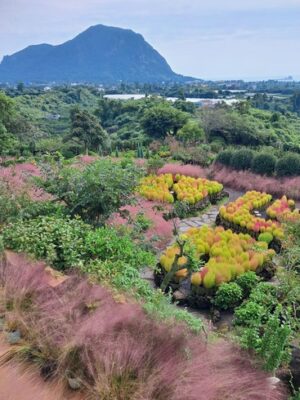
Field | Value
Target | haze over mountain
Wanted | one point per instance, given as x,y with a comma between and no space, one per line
101,54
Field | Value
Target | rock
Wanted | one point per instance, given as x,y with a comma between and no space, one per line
14,337
179,296
295,367
215,316
273,381
74,383
147,273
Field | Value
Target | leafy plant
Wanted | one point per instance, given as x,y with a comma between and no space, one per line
242,159
228,296
224,157
59,241
288,165
96,192
247,282
263,164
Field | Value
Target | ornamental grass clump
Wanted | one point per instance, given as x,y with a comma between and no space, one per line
79,331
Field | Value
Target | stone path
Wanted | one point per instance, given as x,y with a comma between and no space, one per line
208,218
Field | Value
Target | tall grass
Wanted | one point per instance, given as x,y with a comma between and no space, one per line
245,180
78,330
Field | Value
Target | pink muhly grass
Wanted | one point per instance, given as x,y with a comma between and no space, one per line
18,180
187,169
78,330
246,180
160,228
86,159
20,281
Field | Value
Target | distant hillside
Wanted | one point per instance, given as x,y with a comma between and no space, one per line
101,54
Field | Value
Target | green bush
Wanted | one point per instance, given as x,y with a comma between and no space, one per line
110,244
265,294
249,313
10,204
247,282
94,193
242,159
224,157
263,164
228,296
288,165
265,237
58,241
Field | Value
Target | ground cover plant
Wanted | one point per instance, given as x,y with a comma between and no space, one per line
166,359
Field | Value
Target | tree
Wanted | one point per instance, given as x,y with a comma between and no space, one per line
94,193
296,102
86,128
7,141
20,87
163,119
191,132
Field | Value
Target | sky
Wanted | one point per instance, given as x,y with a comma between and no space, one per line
209,39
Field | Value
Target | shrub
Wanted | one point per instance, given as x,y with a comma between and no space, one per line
263,164
249,312
109,244
95,192
288,165
265,294
59,241
224,157
242,159
265,237
247,282
228,296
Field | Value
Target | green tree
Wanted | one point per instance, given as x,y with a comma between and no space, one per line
94,193
296,102
7,141
192,132
163,119
86,128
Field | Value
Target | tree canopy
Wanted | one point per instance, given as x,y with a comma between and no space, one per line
163,119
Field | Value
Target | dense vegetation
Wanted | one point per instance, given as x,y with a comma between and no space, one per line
84,201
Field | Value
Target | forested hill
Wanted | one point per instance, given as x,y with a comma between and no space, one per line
101,54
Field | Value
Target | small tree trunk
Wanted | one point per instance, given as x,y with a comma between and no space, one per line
175,268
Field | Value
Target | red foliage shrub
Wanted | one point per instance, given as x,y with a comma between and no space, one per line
78,330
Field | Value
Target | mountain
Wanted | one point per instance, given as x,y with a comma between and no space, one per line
101,54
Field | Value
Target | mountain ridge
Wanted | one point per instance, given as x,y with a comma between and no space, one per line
100,54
